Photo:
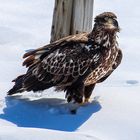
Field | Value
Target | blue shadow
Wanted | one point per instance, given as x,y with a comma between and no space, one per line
46,113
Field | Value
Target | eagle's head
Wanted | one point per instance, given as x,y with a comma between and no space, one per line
107,21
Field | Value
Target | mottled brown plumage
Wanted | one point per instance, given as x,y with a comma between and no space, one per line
74,63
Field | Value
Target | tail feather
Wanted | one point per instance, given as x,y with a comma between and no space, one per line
17,88
30,83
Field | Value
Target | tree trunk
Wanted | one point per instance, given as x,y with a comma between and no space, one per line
71,17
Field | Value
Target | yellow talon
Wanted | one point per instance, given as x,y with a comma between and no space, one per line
81,104
86,100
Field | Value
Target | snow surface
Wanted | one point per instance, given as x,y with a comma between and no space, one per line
113,113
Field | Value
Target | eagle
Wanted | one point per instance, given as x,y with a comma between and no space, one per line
73,64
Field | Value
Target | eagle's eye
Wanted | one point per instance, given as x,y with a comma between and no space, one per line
106,18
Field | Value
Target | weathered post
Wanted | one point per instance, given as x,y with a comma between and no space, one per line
71,17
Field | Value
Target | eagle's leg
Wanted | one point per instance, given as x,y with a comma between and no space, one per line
87,92
75,93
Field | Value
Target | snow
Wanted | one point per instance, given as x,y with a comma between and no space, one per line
113,113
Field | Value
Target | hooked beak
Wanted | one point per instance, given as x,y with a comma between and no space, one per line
115,23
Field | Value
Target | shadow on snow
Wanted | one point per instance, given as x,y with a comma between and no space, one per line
46,113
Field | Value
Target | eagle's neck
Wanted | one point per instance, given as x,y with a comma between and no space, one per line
103,39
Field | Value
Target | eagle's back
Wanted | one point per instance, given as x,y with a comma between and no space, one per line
59,64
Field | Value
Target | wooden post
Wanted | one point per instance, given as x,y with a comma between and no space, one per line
71,17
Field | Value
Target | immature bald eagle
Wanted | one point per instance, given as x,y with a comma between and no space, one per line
74,63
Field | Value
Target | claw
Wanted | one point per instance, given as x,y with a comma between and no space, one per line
86,100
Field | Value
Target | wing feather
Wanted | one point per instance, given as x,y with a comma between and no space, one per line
61,62
42,52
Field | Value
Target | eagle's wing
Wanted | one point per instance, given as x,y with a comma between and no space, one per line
61,62
35,55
